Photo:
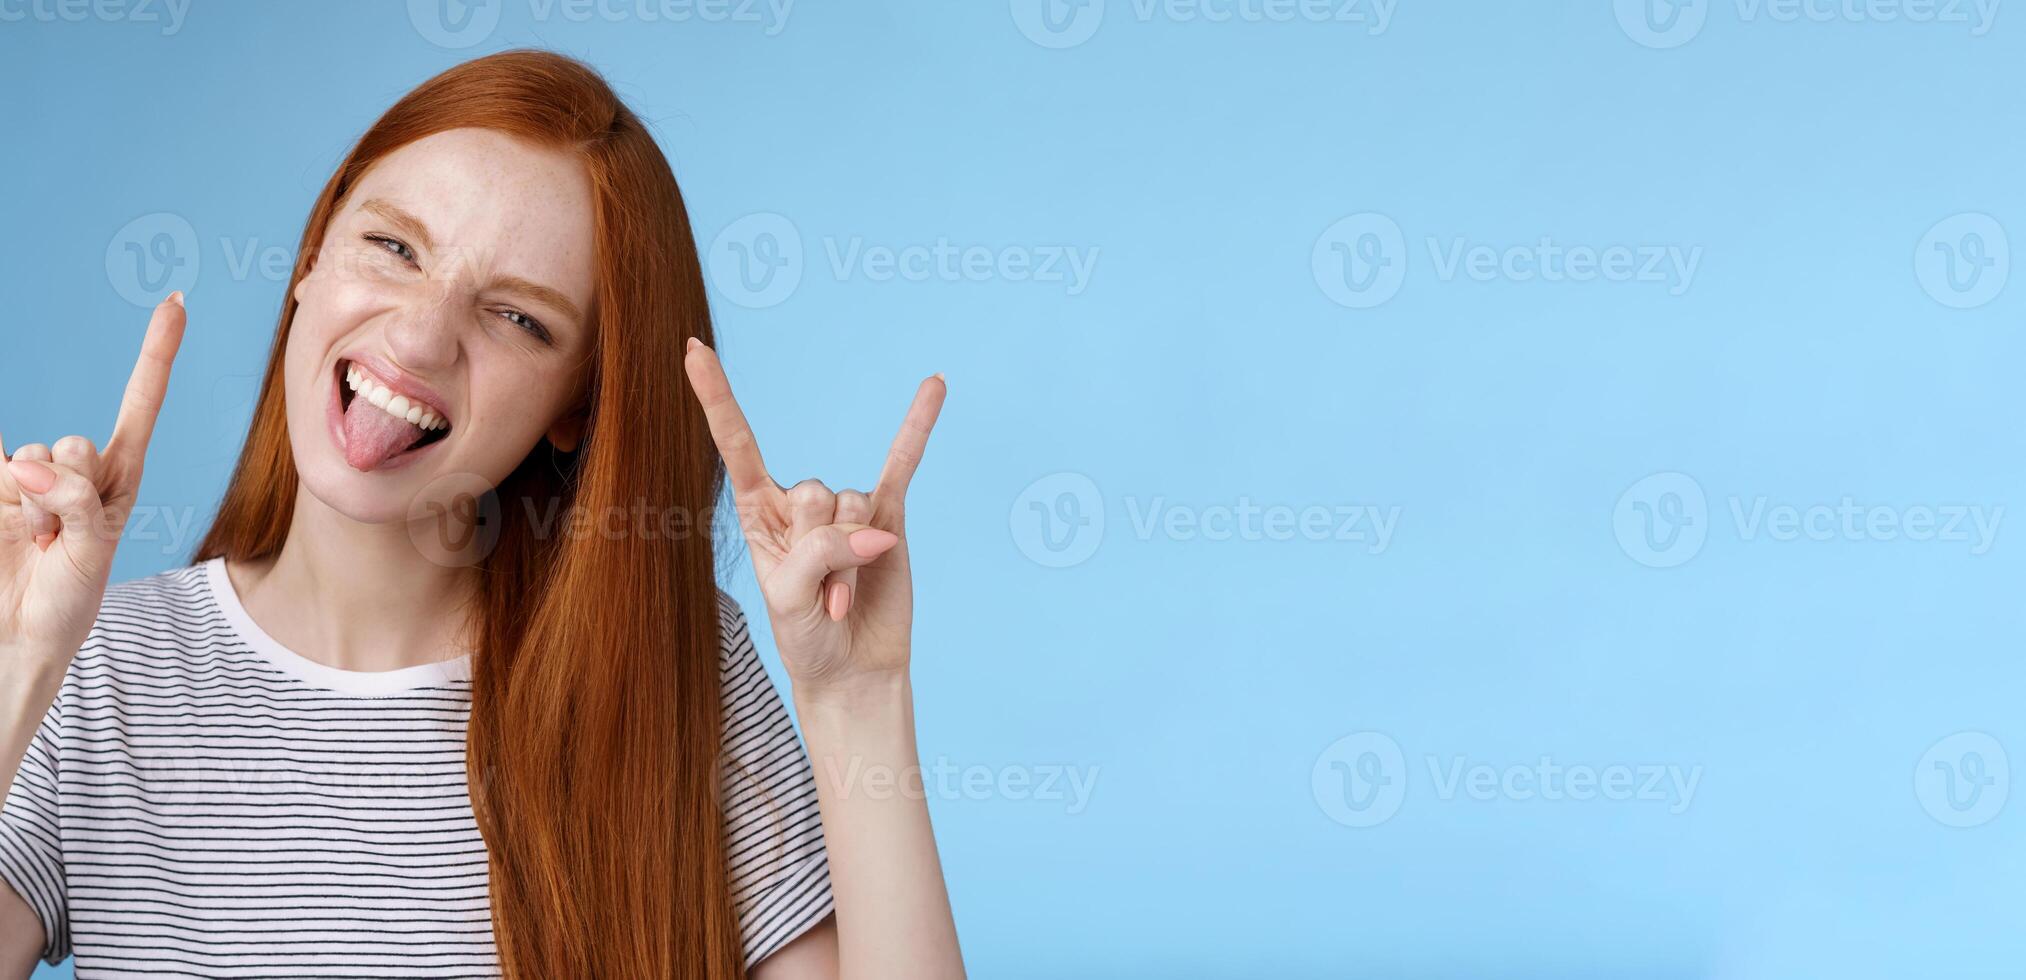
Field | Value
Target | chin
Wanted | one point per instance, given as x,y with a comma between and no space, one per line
367,498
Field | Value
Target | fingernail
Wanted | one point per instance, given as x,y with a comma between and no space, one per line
37,478
939,377
176,297
693,345
839,601
43,540
871,542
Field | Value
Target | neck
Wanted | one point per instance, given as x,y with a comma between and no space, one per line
355,596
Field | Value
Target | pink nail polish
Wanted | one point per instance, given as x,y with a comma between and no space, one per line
871,542
37,478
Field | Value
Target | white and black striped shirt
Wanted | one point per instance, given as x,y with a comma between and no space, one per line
200,801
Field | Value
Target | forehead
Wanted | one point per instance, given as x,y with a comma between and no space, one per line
518,208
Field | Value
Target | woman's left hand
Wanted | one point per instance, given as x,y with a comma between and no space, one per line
833,565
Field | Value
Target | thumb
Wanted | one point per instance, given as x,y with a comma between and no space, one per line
830,548
74,501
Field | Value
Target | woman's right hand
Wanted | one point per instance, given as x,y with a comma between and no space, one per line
63,509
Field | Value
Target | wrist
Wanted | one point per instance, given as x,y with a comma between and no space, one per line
868,695
34,662
33,674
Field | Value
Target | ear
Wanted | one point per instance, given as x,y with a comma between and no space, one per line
567,432
302,284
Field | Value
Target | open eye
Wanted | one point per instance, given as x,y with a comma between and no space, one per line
533,326
393,246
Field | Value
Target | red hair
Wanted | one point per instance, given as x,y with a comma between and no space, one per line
592,754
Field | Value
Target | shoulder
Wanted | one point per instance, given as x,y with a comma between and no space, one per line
735,635
741,673
155,628
174,605
176,588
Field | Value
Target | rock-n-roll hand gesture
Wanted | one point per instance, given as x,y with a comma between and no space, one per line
832,565
63,509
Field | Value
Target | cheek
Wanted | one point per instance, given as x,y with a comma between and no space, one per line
518,403
332,295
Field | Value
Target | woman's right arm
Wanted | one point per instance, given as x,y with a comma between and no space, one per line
23,702
62,511
21,937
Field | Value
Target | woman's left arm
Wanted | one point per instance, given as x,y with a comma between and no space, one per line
833,568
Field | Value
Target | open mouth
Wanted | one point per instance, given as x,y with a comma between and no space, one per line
378,424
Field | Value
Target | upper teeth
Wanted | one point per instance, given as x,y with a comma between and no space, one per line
391,403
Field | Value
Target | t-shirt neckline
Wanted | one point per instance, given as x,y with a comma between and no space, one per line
360,683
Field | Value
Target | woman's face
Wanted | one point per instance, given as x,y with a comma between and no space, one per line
454,289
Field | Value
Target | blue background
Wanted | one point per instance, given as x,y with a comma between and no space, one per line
1528,604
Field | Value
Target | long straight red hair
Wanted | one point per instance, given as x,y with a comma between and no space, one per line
593,749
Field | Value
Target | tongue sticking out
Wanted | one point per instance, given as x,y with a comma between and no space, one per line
373,437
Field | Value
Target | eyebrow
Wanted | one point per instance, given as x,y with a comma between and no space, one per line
540,294
407,223
413,227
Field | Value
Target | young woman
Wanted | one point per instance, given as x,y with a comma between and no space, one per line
375,731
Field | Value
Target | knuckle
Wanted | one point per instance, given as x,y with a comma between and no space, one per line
853,505
808,492
74,448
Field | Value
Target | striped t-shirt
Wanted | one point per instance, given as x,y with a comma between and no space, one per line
201,801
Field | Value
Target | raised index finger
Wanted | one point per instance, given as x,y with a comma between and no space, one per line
912,441
729,430
149,383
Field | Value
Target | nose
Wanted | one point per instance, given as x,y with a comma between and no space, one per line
424,336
